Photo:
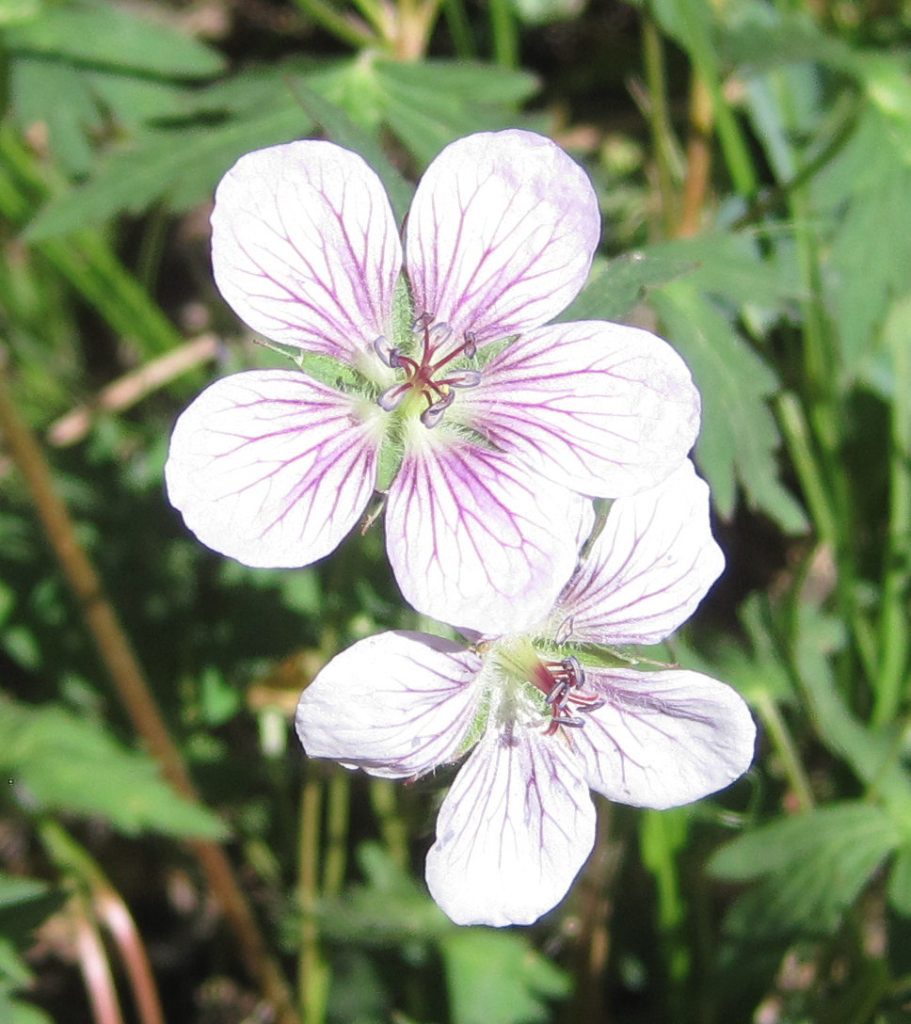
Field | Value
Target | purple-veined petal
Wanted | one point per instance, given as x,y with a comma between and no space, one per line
648,569
271,467
604,409
501,234
477,541
663,739
305,247
513,831
396,704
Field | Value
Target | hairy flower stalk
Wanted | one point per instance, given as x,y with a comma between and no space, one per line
427,372
543,717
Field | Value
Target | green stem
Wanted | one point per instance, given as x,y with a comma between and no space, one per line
659,120
338,801
786,749
460,29
505,37
384,799
312,976
893,639
343,28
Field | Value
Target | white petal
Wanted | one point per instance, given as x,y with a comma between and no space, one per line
477,541
649,568
513,831
501,233
663,738
305,247
397,704
599,407
271,467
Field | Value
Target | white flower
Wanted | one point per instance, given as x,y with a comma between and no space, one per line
487,453
543,728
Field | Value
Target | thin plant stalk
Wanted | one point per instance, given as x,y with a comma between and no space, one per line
659,120
118,657
312,977
109,910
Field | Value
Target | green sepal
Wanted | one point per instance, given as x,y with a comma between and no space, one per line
388,463
333,373
402,315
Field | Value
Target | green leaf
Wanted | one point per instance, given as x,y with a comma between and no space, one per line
181,165
107,35
813,867
24,904
344,132
36,86
868,190
900,882
430,104
760,36
497,977
68,764
870,753
739,437
614,287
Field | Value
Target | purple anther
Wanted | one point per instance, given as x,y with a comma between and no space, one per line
387,353
464,379
432,415
392,397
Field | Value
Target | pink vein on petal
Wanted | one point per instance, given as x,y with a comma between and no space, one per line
477,541
271,467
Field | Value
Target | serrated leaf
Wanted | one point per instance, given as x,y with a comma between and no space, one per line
36,86
68,764
874,232
869,752
107,35
497,977
614,287
812,868
730,266
182,165
739,437
825,833
430,104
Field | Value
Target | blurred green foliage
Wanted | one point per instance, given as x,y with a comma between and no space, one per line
788,898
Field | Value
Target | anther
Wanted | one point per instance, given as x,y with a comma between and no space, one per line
392,397
432,415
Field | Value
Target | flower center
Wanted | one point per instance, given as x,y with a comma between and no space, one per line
561,682
428,376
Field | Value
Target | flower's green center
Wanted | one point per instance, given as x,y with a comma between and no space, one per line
553,689
430,377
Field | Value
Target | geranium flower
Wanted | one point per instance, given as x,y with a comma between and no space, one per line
483,450
542,725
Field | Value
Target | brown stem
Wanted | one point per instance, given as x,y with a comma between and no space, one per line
698,160
118,657
131,388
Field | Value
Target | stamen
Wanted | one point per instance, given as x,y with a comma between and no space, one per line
423,373
385,351
464,379
392,397
561,682
432,415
